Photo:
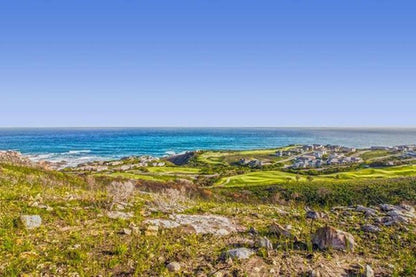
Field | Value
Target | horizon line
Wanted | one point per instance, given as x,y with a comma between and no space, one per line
207,127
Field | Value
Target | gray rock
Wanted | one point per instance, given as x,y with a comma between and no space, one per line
386,207
31,221
202,224
181,159
119,215
331,238
264,243
315,215
369,228
173,267
279,231
253,231
239,253
396,220
314,273
367,211
369,272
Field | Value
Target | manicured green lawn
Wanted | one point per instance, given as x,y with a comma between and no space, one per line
374,154
160,178
174,170
389,172
275,177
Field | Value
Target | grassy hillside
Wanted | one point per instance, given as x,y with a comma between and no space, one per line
278,177
77,236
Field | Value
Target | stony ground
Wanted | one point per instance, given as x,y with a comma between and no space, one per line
55,224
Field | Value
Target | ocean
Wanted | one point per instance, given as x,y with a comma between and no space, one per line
78,145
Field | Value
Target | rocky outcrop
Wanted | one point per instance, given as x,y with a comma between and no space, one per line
369,228
181,159
119,215
395,215
310,214
331,238
201,224
173,267
264,242
239,253
14,157
280,231
30,221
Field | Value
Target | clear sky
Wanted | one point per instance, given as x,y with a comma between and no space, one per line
207,63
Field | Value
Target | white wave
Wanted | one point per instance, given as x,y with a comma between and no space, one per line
78,151
70,158
41,157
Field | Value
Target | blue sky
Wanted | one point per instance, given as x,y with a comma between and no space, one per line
207,63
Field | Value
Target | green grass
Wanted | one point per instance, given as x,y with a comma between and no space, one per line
226,157
137,176
76,238
173,170
370,173
374,154
277,177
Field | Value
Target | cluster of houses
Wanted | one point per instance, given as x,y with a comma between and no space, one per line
316,160
317,155
315,148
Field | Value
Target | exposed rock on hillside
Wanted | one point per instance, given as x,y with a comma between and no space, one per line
239,253
31,221
181,159
202,224
14,157
119,215
331,238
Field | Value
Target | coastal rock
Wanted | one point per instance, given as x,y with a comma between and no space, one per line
31,221
331,238
315,215
14,157
369,272
369,228
181,159
151,230
314,273
202,224
367,211
279,231
119,215
173,267
395,215
163,223
264,242
239,253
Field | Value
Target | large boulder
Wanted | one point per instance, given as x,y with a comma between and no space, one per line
31,221
174,267
239,253
181,159
369,228
200,224
331,238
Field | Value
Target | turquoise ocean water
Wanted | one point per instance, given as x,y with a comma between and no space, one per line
76,145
